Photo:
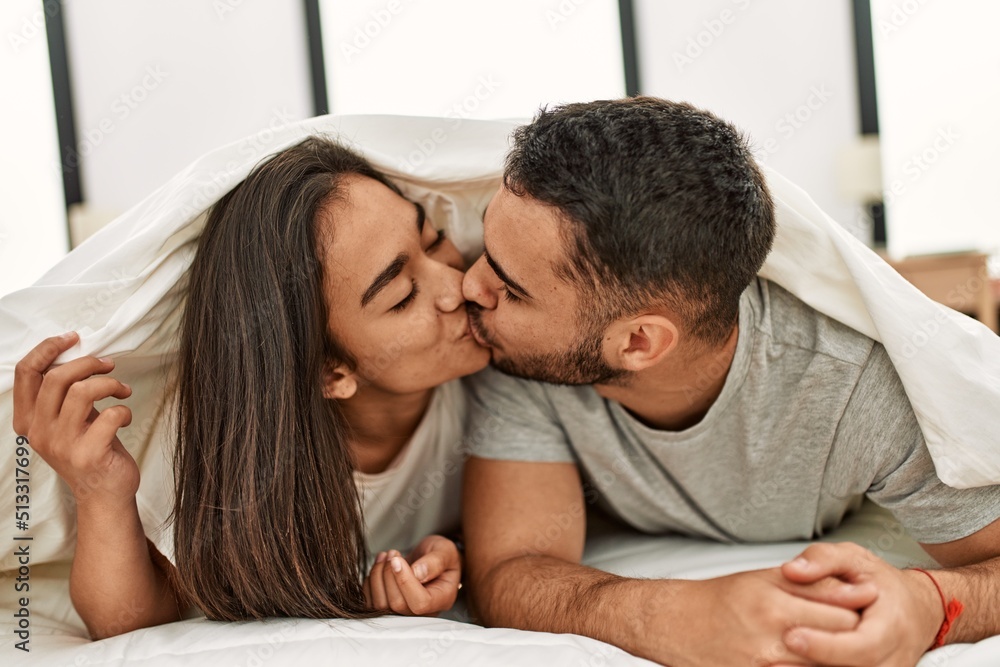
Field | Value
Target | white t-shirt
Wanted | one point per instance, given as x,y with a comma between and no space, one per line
419,494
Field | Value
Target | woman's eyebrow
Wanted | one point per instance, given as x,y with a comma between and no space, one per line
387,275
390,272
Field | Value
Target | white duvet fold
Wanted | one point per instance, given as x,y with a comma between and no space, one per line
123,291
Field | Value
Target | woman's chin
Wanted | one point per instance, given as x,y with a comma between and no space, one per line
477,356
469,357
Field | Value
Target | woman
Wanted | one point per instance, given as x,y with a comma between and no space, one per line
323,331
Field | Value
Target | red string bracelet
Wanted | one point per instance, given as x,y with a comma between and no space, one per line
952,610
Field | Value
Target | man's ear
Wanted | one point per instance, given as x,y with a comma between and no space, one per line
641,342
339,382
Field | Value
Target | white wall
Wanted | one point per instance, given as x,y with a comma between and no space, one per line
470,59
157,84
782,70
938,79
32,211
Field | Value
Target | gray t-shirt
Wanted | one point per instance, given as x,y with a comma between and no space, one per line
812,417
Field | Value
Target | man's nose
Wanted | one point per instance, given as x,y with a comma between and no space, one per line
476,285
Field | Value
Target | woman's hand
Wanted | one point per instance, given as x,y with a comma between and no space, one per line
54,408
423,584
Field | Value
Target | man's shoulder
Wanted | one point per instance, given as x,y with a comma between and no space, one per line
490,382
786,320
791,323
491,379
515,419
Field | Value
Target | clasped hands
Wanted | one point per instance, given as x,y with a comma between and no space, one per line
833,605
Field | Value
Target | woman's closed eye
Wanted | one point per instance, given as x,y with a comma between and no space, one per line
407,299
441,236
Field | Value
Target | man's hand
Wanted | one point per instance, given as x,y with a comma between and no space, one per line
54,408
525,525
896,629
742,619
424,584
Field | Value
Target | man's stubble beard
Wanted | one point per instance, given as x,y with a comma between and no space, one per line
582,364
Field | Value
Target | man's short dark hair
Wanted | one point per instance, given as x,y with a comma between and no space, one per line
664,204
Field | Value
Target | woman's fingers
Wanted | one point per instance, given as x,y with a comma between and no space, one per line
54,407
92,450
431,566
56,383
105,427
28,375
445,587
435,596
392,585
377,584
434,556
98,466
419,599
394,594
81,396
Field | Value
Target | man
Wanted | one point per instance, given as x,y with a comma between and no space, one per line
620,272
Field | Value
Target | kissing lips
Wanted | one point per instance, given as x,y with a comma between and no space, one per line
475,328
479,339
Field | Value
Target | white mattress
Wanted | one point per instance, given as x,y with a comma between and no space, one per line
58,638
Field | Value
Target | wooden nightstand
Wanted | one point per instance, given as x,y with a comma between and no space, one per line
958,280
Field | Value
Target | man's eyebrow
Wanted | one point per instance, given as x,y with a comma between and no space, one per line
510,282
388,274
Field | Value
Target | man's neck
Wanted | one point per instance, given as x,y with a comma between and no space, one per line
676,394
381,424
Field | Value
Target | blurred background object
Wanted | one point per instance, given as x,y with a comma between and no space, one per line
33,232
938,73
880,109
859,179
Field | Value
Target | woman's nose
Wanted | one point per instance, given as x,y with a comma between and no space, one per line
450,296
476,285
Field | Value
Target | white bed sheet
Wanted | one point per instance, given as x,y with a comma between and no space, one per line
58,638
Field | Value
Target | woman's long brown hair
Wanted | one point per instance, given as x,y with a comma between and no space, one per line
267,516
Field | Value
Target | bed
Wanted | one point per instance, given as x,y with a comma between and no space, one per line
59,639
123,291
